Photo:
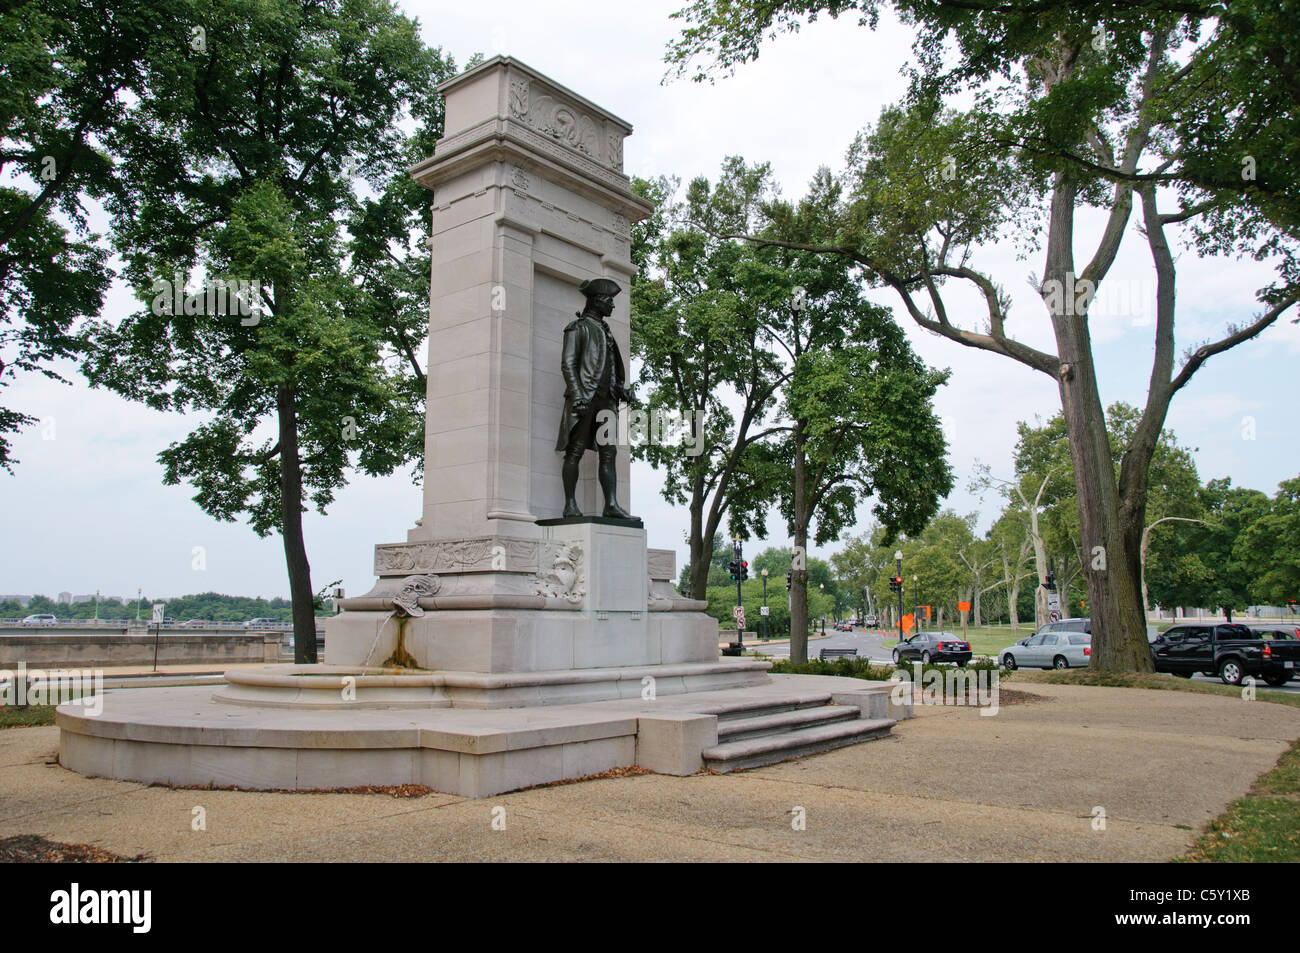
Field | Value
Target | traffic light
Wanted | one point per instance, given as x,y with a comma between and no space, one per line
895,583
788,584
744,570
734,569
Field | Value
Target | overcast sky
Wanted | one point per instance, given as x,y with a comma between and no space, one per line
86,508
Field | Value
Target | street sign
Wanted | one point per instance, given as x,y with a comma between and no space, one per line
1053,606
157,632
763,610
738,613
963,607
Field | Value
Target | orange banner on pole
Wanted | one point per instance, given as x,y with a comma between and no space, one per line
963,607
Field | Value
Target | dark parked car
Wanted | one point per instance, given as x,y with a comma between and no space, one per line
928,647
1228,650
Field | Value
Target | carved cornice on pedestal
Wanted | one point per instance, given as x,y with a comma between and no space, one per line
538,126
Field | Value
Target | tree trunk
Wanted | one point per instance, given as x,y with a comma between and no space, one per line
1110,540
1040,566
701,553
799,577
295,551
1013,593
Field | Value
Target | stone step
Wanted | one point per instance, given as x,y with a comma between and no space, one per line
751,708
771,749
738,729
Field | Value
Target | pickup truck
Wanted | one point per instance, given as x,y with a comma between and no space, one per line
1228,650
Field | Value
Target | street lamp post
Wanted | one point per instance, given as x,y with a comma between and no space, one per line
916,615
763,617
898,559
740,599
822,587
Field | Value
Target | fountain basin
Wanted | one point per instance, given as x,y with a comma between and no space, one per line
345,686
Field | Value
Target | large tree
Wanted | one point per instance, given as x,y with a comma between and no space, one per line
271,110
70,87
857,409
701,311
1267,550
1205,564
1108,107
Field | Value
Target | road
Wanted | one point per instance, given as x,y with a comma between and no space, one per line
872,645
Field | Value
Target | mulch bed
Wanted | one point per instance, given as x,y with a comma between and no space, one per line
31,849
1009,696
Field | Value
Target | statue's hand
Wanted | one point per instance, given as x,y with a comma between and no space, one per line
580,406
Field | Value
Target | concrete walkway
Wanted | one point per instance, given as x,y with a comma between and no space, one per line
949,785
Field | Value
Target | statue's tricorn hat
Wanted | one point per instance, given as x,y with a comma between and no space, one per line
594,287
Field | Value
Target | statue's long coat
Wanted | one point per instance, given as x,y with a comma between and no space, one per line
582,366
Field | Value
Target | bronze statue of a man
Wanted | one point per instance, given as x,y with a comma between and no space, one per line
593,382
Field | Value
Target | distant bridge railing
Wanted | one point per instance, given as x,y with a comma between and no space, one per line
145,623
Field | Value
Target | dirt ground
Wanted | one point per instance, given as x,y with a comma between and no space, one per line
1075,774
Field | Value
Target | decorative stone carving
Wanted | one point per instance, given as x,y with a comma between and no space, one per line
547,145
565,579
564,122
407,600
481,554
519,178
571,127
519,99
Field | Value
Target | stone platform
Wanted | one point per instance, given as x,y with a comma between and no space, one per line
188,736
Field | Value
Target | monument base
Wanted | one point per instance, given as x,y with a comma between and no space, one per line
186,737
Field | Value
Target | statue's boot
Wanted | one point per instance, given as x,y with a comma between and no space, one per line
609,484
569,474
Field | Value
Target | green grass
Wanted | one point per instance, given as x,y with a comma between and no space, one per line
1263,826
28,716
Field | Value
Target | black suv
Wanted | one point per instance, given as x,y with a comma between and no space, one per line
1228,650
